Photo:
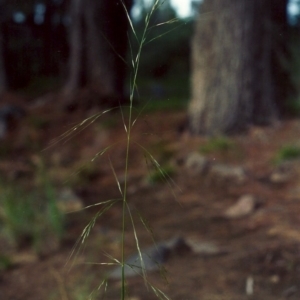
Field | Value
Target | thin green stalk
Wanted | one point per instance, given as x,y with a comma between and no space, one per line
135,70
126,173
125,201
135,65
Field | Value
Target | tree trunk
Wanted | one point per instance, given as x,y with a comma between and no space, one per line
233,83
76,48
98,36
2,66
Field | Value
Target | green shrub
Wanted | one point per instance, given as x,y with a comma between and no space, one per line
29,217
5,262
288,152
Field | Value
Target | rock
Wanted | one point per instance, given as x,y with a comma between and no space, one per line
67,201
24,258
243,207
274,279
285,233
197,163
279,178
219,173
283,173
249,286
205,248
153,257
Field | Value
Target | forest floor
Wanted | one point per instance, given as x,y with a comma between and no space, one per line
261,257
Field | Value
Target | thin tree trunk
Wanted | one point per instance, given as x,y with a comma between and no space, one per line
76,48
99,57
232,80
98,37
2,66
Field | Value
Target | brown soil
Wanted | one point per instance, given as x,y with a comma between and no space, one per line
264,246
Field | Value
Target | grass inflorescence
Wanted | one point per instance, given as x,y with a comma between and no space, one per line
129,121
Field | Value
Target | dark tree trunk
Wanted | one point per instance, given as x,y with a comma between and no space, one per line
233,78
98,36
2,66
281,34
76,48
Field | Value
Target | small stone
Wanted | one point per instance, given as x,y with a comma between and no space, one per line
274,279
227,173
249,286
67,201
283,173
152,258
279,178
24,258
197,163
205,248
243,207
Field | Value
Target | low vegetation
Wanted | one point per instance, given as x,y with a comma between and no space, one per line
28,219
162,174
217,144
288,152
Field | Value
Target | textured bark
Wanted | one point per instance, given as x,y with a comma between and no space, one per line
98,36
2,67
76,45
3,83
233,85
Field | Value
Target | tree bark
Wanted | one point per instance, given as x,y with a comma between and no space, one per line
98,36
76,44
233,83
2,66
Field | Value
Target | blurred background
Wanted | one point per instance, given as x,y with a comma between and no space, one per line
35,38
38,48
216,103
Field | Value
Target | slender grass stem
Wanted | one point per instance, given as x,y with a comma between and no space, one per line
125,202
135,72
135,66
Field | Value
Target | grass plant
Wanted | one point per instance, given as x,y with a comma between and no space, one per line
161,175
5,262
29,217
79,292
288,152
129,121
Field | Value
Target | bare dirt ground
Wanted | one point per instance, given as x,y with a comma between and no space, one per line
262,248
